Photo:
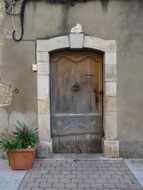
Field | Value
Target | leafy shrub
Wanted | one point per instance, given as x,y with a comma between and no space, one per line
23,138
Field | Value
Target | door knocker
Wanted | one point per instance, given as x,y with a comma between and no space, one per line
76,87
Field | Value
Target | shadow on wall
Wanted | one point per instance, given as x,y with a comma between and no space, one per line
104,4
9,10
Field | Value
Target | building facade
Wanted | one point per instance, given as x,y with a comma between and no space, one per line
75,72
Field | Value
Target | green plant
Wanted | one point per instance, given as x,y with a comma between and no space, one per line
23,137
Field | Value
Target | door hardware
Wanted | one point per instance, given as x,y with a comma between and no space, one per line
76,87
97,94
90,75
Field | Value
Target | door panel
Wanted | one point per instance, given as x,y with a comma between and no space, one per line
76,101
76,124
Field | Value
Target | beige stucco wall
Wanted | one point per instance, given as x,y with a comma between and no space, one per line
122,21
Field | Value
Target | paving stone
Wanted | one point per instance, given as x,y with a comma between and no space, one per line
24,188
77,180
96,185
45,185
109,185
83,185
58,185
33,184
80,175
71,185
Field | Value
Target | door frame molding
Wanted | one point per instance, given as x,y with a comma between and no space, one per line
110,143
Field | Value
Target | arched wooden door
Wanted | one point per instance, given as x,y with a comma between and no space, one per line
76,101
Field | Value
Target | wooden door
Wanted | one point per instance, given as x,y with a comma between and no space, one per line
76,102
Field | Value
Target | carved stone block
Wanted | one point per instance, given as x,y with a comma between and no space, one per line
77,28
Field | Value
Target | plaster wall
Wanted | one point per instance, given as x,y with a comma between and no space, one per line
122,21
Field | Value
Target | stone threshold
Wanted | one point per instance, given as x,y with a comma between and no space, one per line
77,157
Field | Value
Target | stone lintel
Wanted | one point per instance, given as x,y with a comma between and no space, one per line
100,44
76,40
53,43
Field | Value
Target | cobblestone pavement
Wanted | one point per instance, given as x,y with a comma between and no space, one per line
79,175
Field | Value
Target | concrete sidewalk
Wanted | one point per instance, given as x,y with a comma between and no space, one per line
9,179
136,167
78,172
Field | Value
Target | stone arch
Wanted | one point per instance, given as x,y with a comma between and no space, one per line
110,143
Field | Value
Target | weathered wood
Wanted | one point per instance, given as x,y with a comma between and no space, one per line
85,143
76,106
83,124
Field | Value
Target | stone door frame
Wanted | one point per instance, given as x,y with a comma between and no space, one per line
110,143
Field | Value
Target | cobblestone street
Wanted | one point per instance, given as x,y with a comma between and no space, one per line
79,175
